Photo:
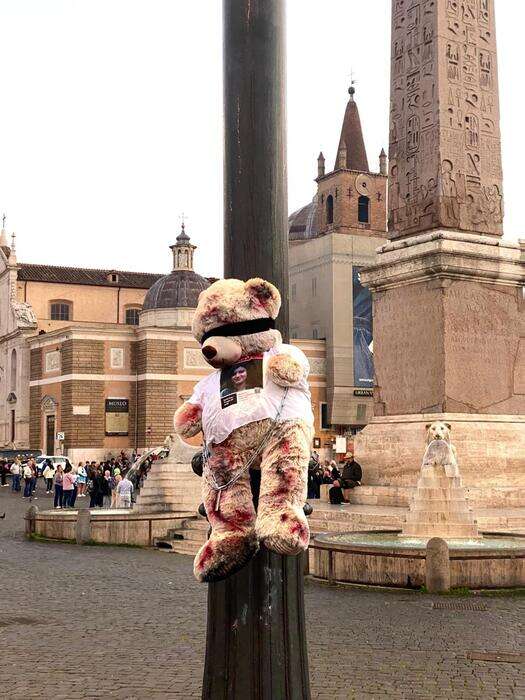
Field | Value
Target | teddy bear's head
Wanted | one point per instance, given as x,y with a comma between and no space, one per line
236,319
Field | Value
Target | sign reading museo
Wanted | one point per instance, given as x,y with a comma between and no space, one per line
117,416
363,346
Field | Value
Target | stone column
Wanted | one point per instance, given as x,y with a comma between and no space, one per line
437,566
83,526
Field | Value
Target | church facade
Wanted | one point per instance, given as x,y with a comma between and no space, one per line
97,361
331,240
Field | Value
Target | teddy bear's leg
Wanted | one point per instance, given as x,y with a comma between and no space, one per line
232,542
281,524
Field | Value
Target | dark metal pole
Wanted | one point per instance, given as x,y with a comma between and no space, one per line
255,177
256,640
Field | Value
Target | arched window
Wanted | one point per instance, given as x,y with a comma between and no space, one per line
13,370
363,213
330,209
61,311
132,316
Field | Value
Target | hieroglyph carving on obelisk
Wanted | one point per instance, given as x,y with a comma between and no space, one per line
445,144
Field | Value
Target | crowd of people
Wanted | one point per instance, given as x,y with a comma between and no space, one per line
346,475
105,483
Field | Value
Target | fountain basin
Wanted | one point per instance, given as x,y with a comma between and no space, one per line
385,559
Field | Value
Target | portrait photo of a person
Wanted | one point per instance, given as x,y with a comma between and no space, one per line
242,378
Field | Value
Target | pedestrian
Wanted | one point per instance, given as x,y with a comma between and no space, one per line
28,481
3,472
124,492
114,499
34,472
73,495
81,480
49,474
16,473
68,484
97,492
106,489
352,472
59,492
336,474
336,495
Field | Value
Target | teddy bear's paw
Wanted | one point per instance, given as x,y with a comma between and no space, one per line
284,532
223,556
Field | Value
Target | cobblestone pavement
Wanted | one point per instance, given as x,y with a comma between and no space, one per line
115,622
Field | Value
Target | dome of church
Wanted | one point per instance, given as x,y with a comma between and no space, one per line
181,288
302,223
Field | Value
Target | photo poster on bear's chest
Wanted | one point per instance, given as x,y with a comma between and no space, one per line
241,382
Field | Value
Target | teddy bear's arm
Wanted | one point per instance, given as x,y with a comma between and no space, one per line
285,370
188,420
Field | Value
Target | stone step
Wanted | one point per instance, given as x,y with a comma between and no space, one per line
436,506
455,530
178,546
426,517
440,493
440,481
191,535
171,468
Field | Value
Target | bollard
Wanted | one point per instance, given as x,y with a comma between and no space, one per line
83,526
437,566
31,514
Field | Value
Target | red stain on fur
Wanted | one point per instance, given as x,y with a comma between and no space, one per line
207,554
299,529
193,412
285,446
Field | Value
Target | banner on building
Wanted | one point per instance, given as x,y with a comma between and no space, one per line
117,417
363,339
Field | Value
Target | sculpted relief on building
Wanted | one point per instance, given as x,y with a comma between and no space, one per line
445,144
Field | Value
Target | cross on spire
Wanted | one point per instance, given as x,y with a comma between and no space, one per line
353,82
4,217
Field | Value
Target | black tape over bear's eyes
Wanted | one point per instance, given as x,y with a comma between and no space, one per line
257,325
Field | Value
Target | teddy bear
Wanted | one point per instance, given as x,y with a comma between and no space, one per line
255,413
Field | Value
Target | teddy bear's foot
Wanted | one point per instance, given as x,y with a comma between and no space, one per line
224,555
285,532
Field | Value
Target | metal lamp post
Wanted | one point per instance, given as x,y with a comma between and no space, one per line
256,641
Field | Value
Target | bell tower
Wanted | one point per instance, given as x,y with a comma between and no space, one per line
351,198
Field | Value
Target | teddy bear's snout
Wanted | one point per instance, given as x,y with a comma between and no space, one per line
221,352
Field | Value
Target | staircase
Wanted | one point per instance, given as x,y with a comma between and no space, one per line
187,538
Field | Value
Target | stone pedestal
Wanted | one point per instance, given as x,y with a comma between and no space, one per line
439,506
171,485
449,344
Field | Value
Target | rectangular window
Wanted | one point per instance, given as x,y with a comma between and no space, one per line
325,423
60,311
132,317
315,334
314,286
294,291
13,426
363,212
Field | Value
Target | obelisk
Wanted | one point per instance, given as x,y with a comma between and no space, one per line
449,315
445,144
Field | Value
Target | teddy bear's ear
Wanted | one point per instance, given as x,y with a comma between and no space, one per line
427,426
265,294
448,426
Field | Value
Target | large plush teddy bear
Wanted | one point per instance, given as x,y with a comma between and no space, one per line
255,411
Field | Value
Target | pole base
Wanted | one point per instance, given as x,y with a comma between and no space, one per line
256,639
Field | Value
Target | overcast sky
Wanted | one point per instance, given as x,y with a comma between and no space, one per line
111,115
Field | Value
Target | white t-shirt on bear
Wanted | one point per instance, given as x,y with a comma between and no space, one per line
224,410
